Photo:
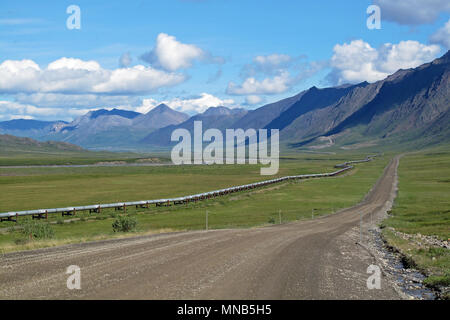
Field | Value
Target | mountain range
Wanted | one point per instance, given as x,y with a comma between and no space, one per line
408,108
99,129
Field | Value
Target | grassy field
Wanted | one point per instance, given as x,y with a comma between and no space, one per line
35,188
423,201
52,187
19,151
423,206
65,158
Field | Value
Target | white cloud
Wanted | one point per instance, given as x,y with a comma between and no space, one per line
14,110
58,100
405,55
13,117
74,64
15,74
251,100
269,65
75,76
442,36
252,86
138,79
412,12
171,54
357,61
189,105
272,74
273,59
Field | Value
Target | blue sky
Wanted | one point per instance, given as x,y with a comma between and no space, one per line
233,53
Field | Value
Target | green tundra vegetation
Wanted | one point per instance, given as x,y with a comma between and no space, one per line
422,207
31,188
18,151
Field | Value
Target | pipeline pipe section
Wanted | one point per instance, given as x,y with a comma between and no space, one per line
43,213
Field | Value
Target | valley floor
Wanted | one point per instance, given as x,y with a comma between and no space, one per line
55,187
314,259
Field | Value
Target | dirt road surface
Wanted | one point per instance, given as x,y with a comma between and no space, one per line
315,259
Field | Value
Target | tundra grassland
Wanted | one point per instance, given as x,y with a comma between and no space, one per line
422,207
34,188
51,157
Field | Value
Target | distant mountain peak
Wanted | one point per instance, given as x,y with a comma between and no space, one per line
161,108
114,112
160,116
220,110
223,111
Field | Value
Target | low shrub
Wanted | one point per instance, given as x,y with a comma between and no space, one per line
124,224
37,230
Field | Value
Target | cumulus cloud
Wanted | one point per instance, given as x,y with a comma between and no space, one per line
272,74
75,76
74,64
69,87
189,105
13,110
15,73
412,12
252,86
251,100
442,36
273,59
138,79
357,61
171,55
268,65
77,101
15,116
